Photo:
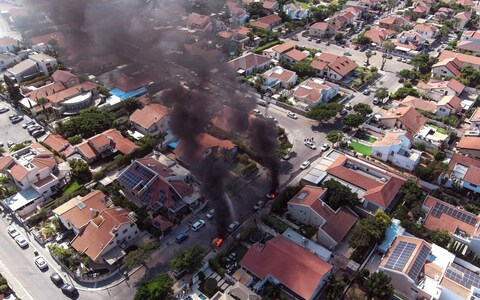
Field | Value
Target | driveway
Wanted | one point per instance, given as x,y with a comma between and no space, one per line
12,132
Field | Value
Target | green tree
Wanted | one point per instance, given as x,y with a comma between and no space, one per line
76,139
363,109
370,231
13,89
381,93
368,54
122,124
158,288
440,237
339,195
379,286
80,170
353,120
334,288
335,136
470,77
422,62
210,285
411,193
470,207
339,36
131,105
409,75
404,92
324,111
363,40
88,123
302,68
439,155
189,259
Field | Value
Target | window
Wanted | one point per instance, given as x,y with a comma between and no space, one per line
125,230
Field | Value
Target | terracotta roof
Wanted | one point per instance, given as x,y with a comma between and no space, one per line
98,141
7,41
321,26
287,46
445,221
5,162
182,188
73,91
474,118
464,58
231,120
87,150
156,166
267,21
204,142
425,28
318,65
44,181
46,90
418,103
469,142
327,57
451,101
456,85
296,268
337,223
57,35
267,4
149,115
473,46
249,61
343,65
452,64
464,15
313,95
17,171
408,116
463,160
296,55
392,138
98,233
378,34
411,259
62,76
78,210
40,150
120,142
44,162
279,73
453,84
56,142
161,223
472,175
198,20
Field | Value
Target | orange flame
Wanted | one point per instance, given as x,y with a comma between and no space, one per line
219,242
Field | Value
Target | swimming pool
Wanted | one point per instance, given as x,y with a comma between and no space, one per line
392,232
202,296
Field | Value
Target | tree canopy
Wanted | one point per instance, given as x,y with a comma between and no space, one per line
80,170
353,120
339,195
379,286
470,77
324,111
363,109
381,93
370,230
423,62
440,237
335,136
189,259
302,68
88,123
158,288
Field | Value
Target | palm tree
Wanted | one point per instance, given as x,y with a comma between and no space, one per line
368,54
388,46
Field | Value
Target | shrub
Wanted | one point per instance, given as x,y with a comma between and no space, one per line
210,286
4,289
439,155
76,139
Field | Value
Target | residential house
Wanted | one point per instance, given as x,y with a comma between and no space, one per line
207,146
408,43
280,261
278,77
450,67
35,173
321,30
443,14
396,23
250,63
437,89
286,52
378,35
105,144
419,104
42,43
155,182
8,59
475,120
464,59
162,224
427,32
268,23
309,207
449,105
107,235
377,188
344,17
8,44
66,78
395,147
462,18
469,145
199,22
463,172
421,8
236,11
271,5
470,41
35,65
296,12
151,120
60,145
238,291
238,35
78,211
406,118
314,91
71,100
332,66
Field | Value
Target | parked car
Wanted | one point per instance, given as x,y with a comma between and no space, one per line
56,279
4,110
318,41
29,123
16,119
305,165
257,112
41,263
390,56
12,231
346,53
197,225
399,59
258,205
181,237
309,39
12,116
21,241
32,128
325,147
375,101
272,118
292,115
311,145
10,144
211,213
232,227
343,112
287,156
69,290
348,107
366,92
38,133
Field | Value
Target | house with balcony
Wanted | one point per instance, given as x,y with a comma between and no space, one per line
437,89
286,52
281,262
378,35
277,78
269,22
71,100
314,91
406,118
309,207
36,174
207,146
296,12
35,65
426,32
333,67
198,22
237,13
470,41
396,147
461,19
151,120
463,172
321,30
66,78
238,35
396,23
450,62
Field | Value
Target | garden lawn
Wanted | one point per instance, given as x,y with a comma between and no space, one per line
361,148
72,187
303,4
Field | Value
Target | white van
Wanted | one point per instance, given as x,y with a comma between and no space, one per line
197,225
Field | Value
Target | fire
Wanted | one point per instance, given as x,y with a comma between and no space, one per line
219,242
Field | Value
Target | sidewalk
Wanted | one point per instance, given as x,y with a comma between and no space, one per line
14,284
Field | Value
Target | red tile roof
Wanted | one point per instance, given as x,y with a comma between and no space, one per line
46,90
445,221
267,21
44,181
57,35
56,142
17,171
285,47
249,61
87,150
161,223
229,120
408,116
321,26
475,116
120,143
5,162
44,162
296,268
463,160
418,103
149,115
98,141
7,41
62,76
343,65
73,91
469,142
464,58
296,55
204,142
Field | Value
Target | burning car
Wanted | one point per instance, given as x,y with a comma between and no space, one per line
272,195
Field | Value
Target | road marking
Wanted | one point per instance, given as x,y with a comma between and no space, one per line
13,280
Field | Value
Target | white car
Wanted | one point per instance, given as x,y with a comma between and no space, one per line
272,118
233,227
292,115
376,101
12,231
258,205
311,145
211,213
41,263
197,225
305,165
325,147
21,241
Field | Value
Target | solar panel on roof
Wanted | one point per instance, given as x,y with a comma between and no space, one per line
400,256
439,208
462,276
419,263
302,196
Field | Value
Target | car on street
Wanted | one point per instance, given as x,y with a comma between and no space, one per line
211,213
390,56
376,101
38,133
29,123
310,145
366,92
287,156
197,225
408,61
258,205
41,263
325,147
10,144
69,290
12,231
348,107
32,128
56,279
16,119
21,241
399,59
4,110
292,115
232,227
272,118
309,39
181,237
305,165
257,112
318,41
347,53
344,112
12,116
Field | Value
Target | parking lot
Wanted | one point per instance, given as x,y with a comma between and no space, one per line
12,132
